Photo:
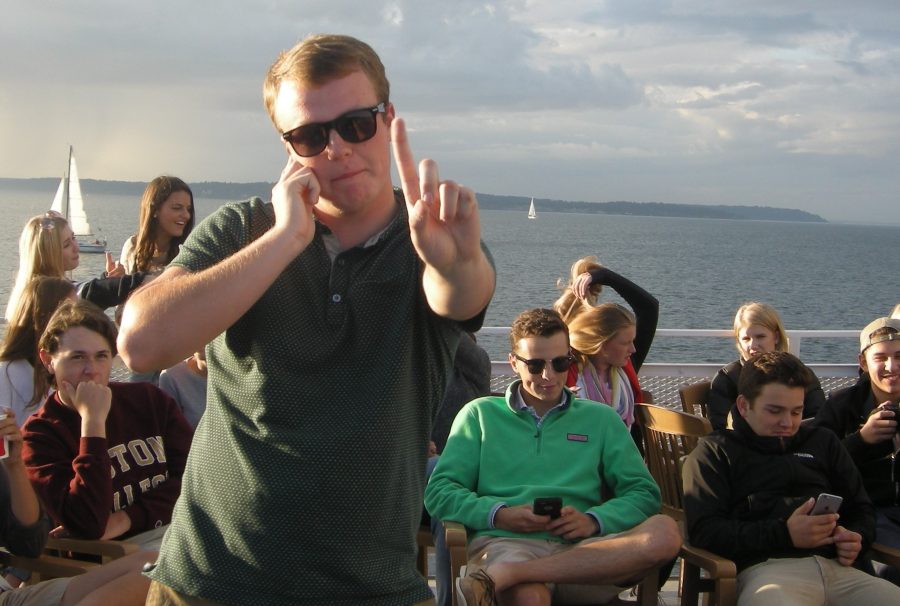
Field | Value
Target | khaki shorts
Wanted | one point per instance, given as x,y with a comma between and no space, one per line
46,592
485,551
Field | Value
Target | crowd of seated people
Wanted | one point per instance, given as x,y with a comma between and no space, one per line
79,414
763,416
750,493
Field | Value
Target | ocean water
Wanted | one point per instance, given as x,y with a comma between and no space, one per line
818,276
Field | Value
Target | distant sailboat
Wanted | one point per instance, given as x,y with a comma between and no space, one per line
70,204
531,213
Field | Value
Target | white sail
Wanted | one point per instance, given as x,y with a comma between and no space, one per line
69,202
77,217
531,213
57,205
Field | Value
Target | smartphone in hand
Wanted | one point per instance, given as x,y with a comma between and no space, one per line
547,506
826,503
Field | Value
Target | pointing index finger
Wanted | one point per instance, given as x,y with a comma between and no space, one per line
406,164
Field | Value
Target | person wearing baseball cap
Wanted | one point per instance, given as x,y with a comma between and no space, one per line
865,417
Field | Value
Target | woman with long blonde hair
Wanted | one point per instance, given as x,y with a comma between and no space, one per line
757,329
47,247
610,343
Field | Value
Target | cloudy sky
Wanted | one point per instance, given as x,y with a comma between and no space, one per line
793,104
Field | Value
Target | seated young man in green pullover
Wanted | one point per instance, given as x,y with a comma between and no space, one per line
541,441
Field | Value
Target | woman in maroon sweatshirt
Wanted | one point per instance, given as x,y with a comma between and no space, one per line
106,459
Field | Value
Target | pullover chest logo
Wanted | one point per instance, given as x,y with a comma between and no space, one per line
134,455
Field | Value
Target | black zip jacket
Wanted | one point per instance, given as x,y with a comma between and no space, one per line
844,413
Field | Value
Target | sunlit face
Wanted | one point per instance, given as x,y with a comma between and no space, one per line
616,350
882,363
776,411
174,214
70,250
543,389
355,178
756,339
83,355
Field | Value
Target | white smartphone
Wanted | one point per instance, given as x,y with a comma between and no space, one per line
826,503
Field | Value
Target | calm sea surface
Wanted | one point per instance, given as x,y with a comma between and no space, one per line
819,276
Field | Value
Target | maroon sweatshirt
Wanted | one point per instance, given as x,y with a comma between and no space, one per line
136,468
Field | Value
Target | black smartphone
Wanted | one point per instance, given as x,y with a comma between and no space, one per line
547,506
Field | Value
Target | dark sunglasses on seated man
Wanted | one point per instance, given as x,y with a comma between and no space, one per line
354,127
536,366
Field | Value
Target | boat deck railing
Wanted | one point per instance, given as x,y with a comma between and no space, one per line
664,379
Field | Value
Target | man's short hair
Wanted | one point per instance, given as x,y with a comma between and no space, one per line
537,322
321,58
876,331
773,367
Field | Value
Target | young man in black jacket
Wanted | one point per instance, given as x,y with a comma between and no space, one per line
864,417
750,491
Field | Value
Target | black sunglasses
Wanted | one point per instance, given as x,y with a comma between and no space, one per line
536,367
354,127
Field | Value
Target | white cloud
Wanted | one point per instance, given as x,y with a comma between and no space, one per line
687,101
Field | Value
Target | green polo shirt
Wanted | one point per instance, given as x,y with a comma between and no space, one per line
304,482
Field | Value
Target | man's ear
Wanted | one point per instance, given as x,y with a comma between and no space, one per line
389,114
743,405
863,364
46,360
512,362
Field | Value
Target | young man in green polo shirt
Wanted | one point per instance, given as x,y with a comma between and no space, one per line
332,315
541,441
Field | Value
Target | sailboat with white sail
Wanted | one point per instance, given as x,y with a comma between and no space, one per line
531,213
69,203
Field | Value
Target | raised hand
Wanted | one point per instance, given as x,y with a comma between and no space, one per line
114,269
443,215
582,286
293,198
92,402
880,426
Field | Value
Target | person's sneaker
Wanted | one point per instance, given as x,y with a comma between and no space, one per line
476,589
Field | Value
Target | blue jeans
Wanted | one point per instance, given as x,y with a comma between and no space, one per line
442,581
887,532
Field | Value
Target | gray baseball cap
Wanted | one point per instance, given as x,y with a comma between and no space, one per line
867,339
